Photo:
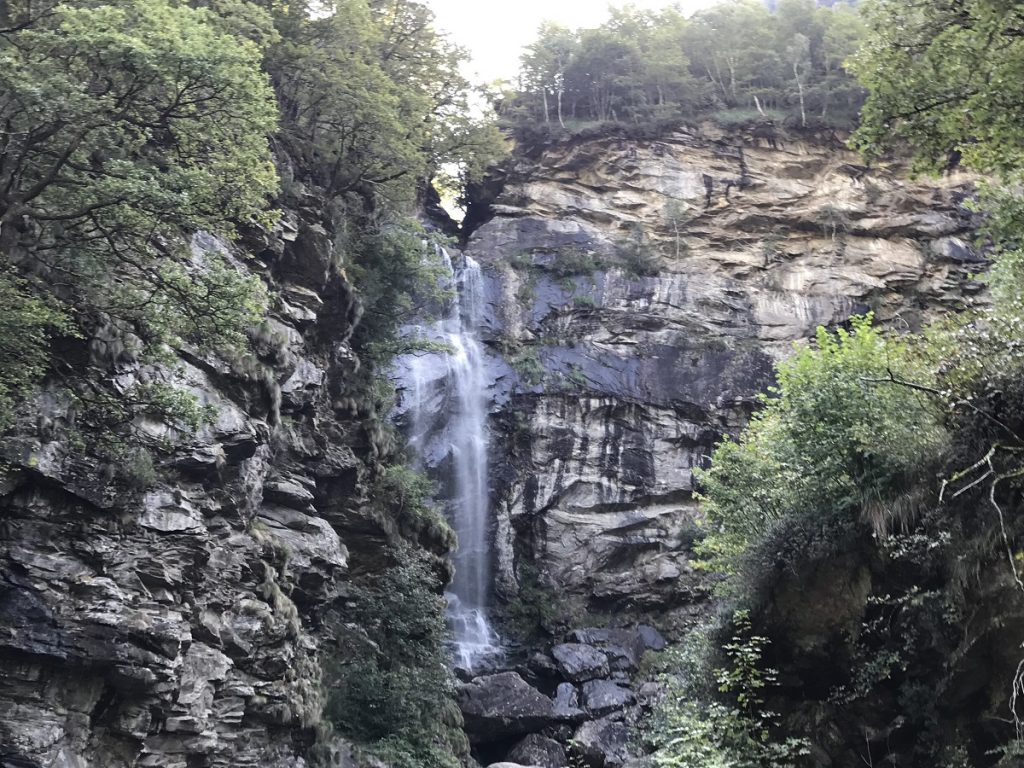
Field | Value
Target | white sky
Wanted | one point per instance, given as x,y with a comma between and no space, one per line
495,31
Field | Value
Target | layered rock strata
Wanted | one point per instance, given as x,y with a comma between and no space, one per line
639,293
176,613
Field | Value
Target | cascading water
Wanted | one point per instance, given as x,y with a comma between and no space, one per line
445,401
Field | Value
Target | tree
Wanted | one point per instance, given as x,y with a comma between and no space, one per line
608,72
544,65
668,66
372,98
829,444
947,78
645,65
127,127
798,56
844,30
733,45
388,678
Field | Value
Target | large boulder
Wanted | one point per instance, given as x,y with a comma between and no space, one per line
579,663
567,704
605,743
503,705
538,750
651,638
601,697
623,647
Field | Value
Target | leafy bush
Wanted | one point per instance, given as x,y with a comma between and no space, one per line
389,682
25,328
837,438
691,728
397,270
404,494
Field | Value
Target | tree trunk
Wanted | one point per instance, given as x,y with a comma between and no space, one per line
544,93
800,91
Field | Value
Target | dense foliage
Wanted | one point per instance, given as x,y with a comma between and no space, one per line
130,125
390,683
869,517
104,166
372,98
734,60
693,730
834,441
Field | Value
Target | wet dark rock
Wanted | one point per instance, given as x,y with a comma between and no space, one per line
542,665
567,704
601,697
623,647
651,638
503,705
578,662
606,743
540,751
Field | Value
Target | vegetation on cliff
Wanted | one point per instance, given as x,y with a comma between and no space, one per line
736,61
150,150
869,517
105,165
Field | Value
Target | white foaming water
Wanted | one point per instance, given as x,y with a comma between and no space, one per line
455,425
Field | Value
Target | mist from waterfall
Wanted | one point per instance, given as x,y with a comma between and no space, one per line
445,400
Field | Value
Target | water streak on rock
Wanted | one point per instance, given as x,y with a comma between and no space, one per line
446,406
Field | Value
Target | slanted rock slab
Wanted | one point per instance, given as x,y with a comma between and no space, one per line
578,662
539,750
606,743
601,697
503,705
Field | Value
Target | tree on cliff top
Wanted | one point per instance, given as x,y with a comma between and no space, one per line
372,98
730,60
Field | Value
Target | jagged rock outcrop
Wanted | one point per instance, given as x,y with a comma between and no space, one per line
578,700
177,616
503,705
639,292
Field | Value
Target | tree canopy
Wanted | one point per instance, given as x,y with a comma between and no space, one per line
735,57
130,125
126,126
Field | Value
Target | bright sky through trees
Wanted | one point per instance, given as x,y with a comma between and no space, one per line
495,32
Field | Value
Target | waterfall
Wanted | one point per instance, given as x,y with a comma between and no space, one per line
445,405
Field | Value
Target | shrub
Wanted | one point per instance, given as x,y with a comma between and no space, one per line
836,438
403,494
691,728
389,682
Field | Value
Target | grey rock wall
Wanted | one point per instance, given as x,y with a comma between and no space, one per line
181,621
640,292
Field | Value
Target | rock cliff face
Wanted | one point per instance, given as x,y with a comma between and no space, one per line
179,619
640,291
